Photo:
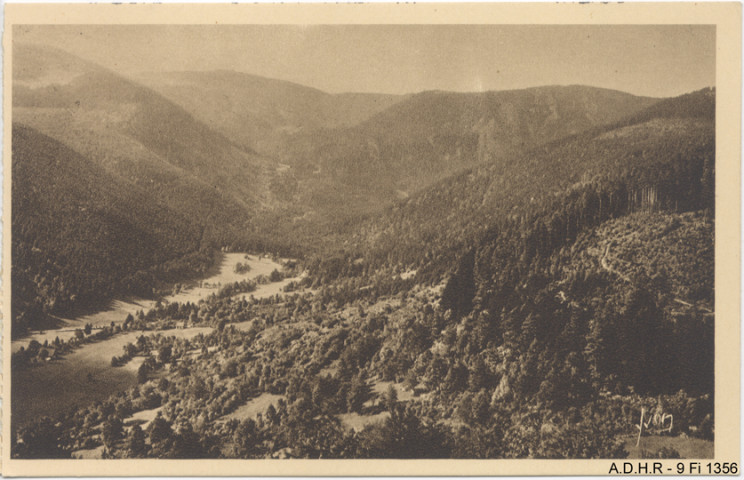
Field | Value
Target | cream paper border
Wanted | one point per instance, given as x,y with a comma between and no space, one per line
726,17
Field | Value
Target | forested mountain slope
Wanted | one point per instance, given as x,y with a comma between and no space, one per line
261,113
350,154
167,187
136,134
81,234
583,249
662,158
343,174
432,134
578,284
330,159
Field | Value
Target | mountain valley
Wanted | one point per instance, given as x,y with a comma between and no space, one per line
500,274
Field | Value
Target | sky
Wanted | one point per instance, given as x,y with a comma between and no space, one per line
652,60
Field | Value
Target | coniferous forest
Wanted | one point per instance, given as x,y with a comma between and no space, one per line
503,274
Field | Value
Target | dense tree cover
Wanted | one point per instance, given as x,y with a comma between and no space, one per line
488,387
660,159
80,235
430,135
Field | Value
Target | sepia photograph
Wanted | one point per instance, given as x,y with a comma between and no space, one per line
290,239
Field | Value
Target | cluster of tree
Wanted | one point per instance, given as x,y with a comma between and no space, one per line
243,286
242,268
37,352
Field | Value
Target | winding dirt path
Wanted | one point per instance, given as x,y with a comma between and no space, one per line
603,263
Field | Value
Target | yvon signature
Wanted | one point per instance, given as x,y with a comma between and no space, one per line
659,422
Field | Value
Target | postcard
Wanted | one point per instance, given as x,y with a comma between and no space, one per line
371,239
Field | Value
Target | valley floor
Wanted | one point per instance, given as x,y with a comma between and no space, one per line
85,375
190,292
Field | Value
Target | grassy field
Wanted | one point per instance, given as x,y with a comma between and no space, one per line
119,309
81,377
78,379
227,274
355,421
381,387
687,447
90,454
142,418
117,313
254,406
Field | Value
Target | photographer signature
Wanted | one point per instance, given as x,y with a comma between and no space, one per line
661,422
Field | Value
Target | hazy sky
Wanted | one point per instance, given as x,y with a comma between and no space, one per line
645,60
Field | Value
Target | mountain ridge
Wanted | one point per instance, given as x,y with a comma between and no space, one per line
468,201
261,109
135,132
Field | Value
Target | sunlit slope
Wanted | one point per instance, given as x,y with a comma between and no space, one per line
136,134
